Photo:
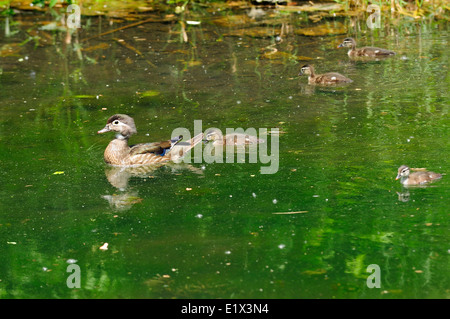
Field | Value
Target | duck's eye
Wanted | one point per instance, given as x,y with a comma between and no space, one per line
116,122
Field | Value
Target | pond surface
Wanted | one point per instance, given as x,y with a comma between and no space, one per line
223,230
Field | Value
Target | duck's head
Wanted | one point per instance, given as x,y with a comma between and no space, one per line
403,171
347,43
306,70
121,124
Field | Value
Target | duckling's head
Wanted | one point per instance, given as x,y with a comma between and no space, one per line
403,171
120,123
348,43
306,70
213,134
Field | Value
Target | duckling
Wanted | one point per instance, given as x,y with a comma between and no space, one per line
365,51
119,153
324,79
236,139
416,178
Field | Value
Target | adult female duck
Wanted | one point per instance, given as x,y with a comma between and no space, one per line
119,153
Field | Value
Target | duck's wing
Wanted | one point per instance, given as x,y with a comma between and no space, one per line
157,148
372,51
424,177
332,77
433,175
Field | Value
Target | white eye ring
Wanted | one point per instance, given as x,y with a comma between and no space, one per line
116,122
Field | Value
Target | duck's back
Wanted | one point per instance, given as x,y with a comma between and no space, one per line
372,51
418,178
119,153
331,78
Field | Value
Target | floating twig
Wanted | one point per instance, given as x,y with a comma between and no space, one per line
290,213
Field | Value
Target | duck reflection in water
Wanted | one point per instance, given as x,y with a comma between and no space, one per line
403,196
119,177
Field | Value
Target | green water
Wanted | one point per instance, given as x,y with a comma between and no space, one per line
211,230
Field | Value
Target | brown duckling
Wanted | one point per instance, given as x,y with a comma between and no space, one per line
324,79
237,139
119,153
416,178
371,52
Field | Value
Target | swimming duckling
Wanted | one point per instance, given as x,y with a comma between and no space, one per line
323,79
236,139
365,51
416,178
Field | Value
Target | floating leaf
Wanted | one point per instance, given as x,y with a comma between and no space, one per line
355,266
82,96
314,272
280,55
254,32
194,63
10,49
232,20
149,93
323,29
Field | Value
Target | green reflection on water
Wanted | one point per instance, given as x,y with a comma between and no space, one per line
212,230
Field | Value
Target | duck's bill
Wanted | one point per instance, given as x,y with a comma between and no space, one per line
104,130
340,45
398,176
